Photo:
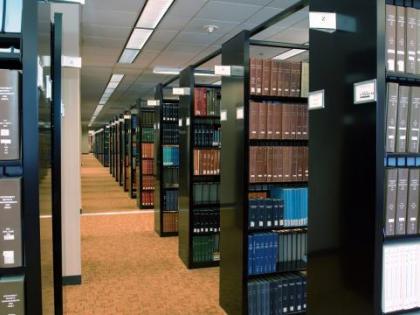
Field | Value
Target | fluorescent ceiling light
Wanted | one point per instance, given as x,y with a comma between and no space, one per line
116,77
128,56
204,74
74,1
153,13
138,38
289,54
166,70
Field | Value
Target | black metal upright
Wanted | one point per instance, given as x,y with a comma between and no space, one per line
125,135
133,153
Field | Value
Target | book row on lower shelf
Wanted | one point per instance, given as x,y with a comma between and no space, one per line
285,294
12,295
278,121
206,220
207,101
206,248
206,193
147,150
278,164
147,198
206,161
147,167
288,209
400,274
170,156
170,133
170,112
148,182
170,222
170,177
170,200
402,201
147,134
277,252
206,133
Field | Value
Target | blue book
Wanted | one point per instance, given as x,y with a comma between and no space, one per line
250,255
13,16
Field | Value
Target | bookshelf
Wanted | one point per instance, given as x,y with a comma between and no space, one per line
198,247
133,153
264,179
167,171
146,173
126,133
374,146
120,150
112,170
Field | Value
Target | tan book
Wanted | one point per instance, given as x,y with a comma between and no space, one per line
274,77
253,120
258,76
411,40
401,39
262,121
252,76
266,77
390,42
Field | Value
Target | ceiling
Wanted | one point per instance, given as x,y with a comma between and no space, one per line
179,40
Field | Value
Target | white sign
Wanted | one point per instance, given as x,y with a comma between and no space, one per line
240,113
228,71
180,122
365,92
181,91
324,21
153,102
223,115
127,116
71,62
316,100
187,121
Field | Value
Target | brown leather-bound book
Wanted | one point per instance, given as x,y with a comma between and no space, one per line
196,161
299,122
306,163
275,167
287,165
204,109
253,120
261,164
262,121
295,163
300,170
274,77
270,120
305,131
295,70
252,164
280,78
197,102
401,38
259,76
287,76
277,121
252,76
285,121
270,161
266,77
279,152
293,120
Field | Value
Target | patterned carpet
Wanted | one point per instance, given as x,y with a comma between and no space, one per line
129,270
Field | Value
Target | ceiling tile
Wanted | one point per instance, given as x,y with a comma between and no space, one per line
227,11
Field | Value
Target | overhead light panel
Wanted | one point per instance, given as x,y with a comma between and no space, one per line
128,56
289,54
138,38
153,13
166,70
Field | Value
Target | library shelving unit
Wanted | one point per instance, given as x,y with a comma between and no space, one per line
145,174
126,132
106,155
258,171
101,145
354,156
120,149
112,148
167,170
133,153
197,249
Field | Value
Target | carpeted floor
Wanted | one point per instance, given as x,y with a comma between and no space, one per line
129,270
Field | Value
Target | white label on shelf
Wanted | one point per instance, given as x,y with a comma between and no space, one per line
316,100
180,122
153,103
5,132
181,91
240,113
9,257
228,71
187,121
365,92
223,115
324,21
71,62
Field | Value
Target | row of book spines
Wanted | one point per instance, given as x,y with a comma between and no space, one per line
147,167
148,182
170,222
206,135
403,117
277,121
170,200
400,274
206,220
170,112
278,164
269,252
147,118
207,101
170,176
147,198
170,156
285,294
147,150
402,201
269,77
147,134
206,193
170,135
205,248
206,161
295,205
402,39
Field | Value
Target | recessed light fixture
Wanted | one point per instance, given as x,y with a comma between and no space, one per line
176,71
150,17
289,54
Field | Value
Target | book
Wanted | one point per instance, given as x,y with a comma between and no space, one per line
401,39
411,40
9,112
390,43
413,201
391,121
403,103
391,201
402,194
414,120
12,295
305,80
170,222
